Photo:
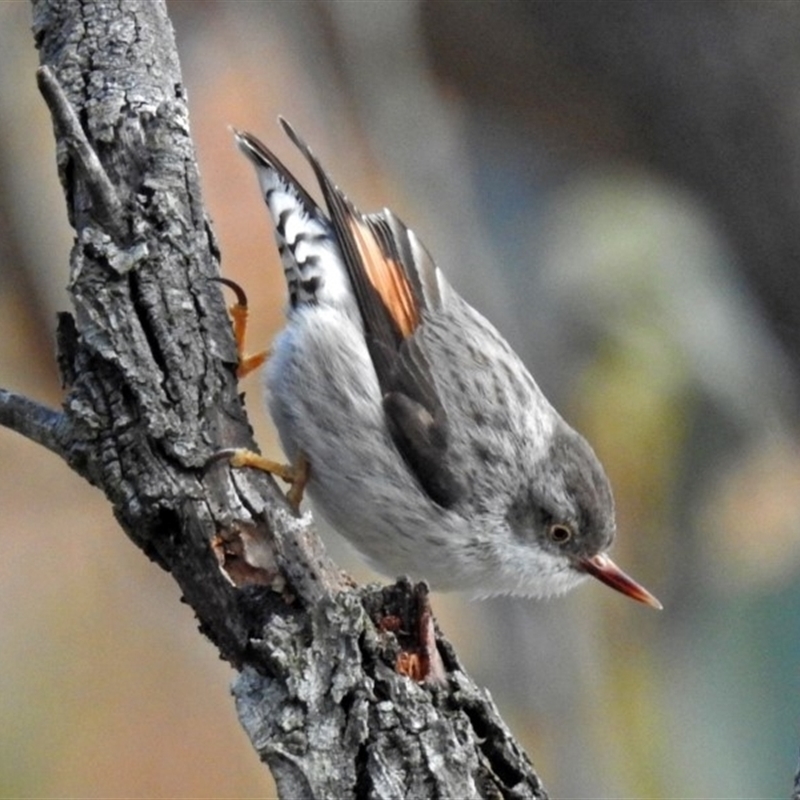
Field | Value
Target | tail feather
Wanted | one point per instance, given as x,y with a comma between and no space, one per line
312,262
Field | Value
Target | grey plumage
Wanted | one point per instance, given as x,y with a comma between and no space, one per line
431,447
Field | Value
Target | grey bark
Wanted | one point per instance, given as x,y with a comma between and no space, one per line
148,364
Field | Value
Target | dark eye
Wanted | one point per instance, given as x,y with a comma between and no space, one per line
559,533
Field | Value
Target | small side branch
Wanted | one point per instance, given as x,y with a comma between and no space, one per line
105,201
34,421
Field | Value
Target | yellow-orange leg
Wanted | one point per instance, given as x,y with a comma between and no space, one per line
296,474
239,313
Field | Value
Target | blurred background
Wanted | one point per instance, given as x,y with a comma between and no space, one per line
616,185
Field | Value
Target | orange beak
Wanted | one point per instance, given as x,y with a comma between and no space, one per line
605,570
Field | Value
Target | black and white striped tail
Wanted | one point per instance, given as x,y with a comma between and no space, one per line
312,263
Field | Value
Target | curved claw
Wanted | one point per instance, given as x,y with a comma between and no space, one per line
228,453
241,297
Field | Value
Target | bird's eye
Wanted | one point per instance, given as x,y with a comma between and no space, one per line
560,533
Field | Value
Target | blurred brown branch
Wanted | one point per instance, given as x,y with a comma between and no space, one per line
148,363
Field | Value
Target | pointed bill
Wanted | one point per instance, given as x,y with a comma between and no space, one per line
605,570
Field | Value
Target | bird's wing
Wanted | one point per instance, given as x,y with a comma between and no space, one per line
397,285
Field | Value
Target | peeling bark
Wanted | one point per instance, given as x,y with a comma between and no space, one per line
148,364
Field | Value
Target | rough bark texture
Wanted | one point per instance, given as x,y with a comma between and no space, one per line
148,364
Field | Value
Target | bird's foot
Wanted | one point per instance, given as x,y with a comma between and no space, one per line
239,314
296,474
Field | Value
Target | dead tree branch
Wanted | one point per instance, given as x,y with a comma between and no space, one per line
148,364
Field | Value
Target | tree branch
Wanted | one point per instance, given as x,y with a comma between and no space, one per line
148,360
33,420
104,198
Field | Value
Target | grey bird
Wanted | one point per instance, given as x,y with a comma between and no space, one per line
412,425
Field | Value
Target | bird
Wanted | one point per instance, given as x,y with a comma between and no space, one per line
409,422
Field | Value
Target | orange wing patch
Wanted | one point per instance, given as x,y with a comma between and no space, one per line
387,276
